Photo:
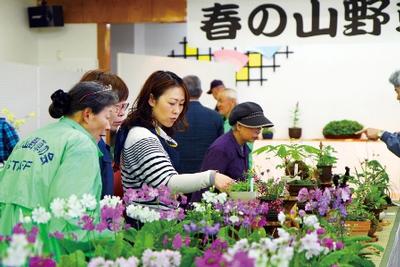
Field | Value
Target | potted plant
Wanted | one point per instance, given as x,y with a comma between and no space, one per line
325,163
358,219
295,130
242,190
296,170
267,133
342,129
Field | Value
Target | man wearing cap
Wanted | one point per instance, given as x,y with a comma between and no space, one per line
205,126
229,153
216,87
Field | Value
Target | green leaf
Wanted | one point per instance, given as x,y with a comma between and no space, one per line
116,248
76,259
188,255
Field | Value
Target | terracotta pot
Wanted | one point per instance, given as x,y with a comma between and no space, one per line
357,227
295,132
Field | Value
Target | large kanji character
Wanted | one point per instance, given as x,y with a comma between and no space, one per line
264,19
398,11
356,11
315,28
221,23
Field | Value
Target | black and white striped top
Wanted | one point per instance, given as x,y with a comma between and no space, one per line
145,161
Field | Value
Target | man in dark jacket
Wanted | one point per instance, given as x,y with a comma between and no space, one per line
205,125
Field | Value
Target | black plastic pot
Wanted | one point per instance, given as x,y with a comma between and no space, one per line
267,135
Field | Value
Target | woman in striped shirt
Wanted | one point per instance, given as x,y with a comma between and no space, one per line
144,148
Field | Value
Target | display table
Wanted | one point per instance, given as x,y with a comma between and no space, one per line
389,239
350,152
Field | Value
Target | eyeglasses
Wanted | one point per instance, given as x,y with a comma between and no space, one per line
108,89
121,107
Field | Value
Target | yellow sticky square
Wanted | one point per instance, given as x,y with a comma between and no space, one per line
255,60
242,74
191,51
205,58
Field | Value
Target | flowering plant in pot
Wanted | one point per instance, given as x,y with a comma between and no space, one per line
271,191
295,130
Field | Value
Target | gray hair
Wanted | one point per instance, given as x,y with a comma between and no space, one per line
395,78
230,93
193,85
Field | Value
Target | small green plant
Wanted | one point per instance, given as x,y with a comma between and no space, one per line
342,127
325,156
357,211
267,130
296,116
242,186
270,189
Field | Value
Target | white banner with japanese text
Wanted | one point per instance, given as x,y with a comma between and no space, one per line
245,23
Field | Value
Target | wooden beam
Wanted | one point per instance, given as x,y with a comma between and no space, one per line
122,11
104,46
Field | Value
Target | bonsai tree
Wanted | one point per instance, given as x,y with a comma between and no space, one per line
341,128
325,161
295,130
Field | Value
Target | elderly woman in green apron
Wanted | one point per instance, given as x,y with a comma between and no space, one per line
59,159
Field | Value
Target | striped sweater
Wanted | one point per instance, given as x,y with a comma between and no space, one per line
144,161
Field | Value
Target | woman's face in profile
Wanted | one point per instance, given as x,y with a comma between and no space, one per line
167,108
98,123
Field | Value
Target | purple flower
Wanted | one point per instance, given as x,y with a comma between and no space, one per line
241,259
211,258
302,213
87,222
187,241
328,243
219,245
321,231
19,229
32,235
57,235
339,245
177,242
37,261
211,230
303,195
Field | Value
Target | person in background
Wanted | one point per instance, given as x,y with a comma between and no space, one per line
110,175
216,87
392,140
205,125
227,100
8,139
60,159
229,153
148,154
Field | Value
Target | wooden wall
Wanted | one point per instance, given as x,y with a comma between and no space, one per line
122,11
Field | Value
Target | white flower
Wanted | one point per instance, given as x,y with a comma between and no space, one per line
24,219
110,201
130,262
75,207
283,236
17,252
198,207
58,207
88,201
234,219
40,215
143,214
268,244
281,217
221,198
312,221
209,197
311,245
